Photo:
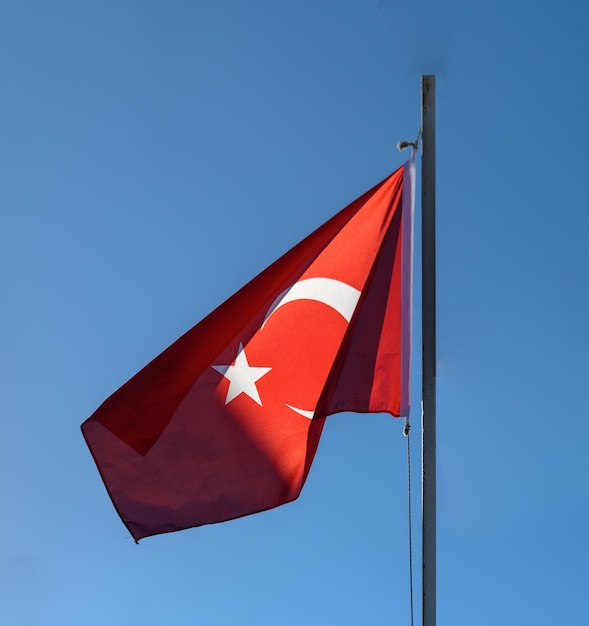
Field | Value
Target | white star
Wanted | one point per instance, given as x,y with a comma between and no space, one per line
242,377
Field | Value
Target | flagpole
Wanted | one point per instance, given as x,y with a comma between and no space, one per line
428,317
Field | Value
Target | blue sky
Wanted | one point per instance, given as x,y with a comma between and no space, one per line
156,156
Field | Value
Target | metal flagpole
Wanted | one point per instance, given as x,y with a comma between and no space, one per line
428,320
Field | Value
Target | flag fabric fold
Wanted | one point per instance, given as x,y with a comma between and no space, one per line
226,421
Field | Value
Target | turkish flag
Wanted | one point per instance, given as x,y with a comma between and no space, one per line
226,421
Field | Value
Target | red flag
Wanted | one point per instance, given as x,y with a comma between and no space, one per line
226,421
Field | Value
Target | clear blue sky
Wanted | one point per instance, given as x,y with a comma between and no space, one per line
157,155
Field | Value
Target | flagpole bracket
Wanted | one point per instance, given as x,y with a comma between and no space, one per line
403,145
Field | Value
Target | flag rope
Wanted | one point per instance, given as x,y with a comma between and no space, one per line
406,431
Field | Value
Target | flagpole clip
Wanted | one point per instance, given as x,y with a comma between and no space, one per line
406,428
402,145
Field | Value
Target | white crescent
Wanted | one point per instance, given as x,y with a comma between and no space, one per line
340,296
335,294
